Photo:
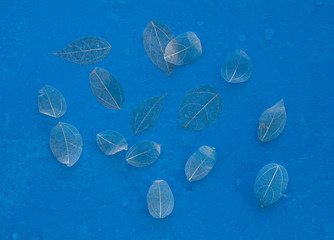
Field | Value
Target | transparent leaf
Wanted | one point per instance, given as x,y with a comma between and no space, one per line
111,142
66,143
106,89
200,163
146,114
183,49
270,184
160,199
156,36
143,154
200,108
237,67
85,51
272,122
51,102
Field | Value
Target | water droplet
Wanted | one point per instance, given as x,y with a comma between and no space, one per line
7,115
200,23
242,37
124,203
238,182
269,33
290,44
15,236
328,177
303,196
127,52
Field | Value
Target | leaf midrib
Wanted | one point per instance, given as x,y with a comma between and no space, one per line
117,106
200,110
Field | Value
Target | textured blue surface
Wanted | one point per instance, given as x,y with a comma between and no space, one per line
104,197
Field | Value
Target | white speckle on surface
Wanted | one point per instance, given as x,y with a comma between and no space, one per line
269,33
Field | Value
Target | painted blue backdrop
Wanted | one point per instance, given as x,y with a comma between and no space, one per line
291,44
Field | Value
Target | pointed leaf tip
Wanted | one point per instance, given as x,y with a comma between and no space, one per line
146,114
270,184
85,51
237,67
155,39
200,108
107,89
272,122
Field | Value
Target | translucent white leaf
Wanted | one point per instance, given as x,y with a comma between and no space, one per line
237,67
183,49
272,122
200,163
51,102
66,143
160,199
270,184
85,51
200,108
146,114
156,36
111,142
143,154
106,89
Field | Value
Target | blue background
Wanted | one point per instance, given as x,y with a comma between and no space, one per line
103,197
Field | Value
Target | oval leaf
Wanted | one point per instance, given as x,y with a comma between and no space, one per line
111,142
51,102
237,67
85,51
106,89
200,108
183,49
156,36
160,199
143,154
272,122
66,143
146,114
200,163
270,184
